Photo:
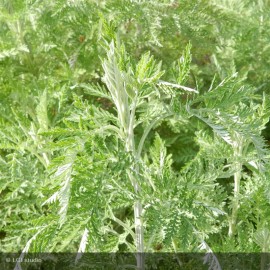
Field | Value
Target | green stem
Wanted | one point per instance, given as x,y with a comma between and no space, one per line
147,130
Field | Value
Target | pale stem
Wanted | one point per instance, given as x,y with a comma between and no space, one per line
139,230
236,191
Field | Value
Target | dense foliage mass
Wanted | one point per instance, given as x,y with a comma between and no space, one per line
135,126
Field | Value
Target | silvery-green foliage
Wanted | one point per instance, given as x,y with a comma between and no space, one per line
106,104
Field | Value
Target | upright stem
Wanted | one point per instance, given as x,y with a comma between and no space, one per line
237,178
139,234
126,108
134,176
235,204
139,230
